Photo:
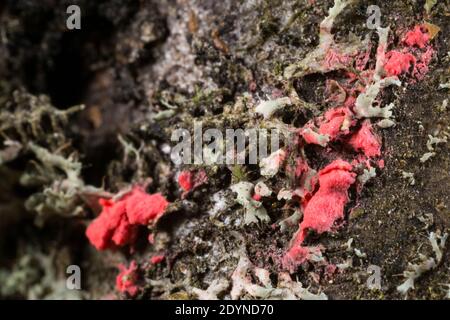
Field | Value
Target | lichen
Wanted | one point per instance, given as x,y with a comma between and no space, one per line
269,107
254,210
286,289
415,271
315,61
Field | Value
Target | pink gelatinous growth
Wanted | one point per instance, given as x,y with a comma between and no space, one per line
336,119
157,259
111,228
324,208
117,224
364,140
143,208
398,63
257,197
327,204
189,180
417,37
422,68
185,180
127,278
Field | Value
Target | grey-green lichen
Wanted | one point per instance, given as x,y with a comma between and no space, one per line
314,61
254,210
414,271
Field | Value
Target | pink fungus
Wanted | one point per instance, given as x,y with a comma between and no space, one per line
257,197
185,180
416,37
126,279
111,228
117,224
189,180
422,65
324,208
398,62
157,259
336,120
142,207
327,204
366,141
